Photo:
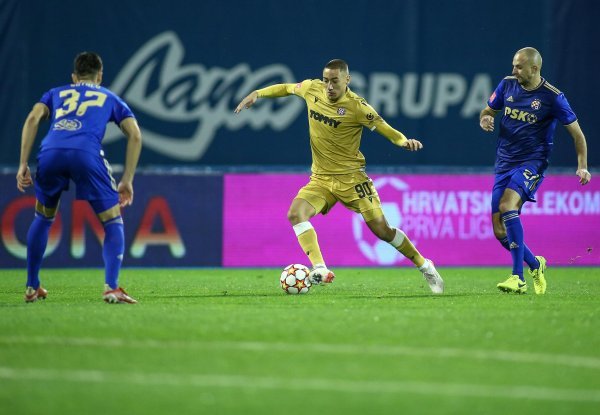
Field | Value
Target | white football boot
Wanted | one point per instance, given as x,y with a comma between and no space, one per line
433,278
320,274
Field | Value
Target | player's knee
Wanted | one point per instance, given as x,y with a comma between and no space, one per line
382,230
295,217
499,233
506,206
46,212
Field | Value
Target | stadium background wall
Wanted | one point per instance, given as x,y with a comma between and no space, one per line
427,66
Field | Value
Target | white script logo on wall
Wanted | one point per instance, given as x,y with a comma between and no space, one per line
376,250
187,103
156,82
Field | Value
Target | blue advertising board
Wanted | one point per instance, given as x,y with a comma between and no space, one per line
174,221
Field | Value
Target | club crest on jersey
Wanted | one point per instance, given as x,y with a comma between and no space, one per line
341,111
67,125
536,104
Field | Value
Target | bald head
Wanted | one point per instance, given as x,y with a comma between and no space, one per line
527,65
532,56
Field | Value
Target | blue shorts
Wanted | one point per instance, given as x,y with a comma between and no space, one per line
525,180
90,172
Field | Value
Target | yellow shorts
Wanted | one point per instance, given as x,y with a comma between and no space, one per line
353,190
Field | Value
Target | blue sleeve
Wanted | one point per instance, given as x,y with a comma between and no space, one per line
496,101
562,110
120,111
46,99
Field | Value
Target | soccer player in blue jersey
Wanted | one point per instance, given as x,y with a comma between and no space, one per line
532,107
72,150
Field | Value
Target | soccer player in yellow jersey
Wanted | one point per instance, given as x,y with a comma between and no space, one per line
336,118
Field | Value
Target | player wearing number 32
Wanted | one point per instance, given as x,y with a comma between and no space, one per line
531,109
336,117
72,150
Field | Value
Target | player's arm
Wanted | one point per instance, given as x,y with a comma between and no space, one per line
486,119
273,91
581,149
130,128
368,117
397,137
38,113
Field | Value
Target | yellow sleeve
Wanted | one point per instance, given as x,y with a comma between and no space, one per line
390,133
275,91
283,90
368,117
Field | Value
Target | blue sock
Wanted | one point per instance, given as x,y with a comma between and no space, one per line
530,259
112,252
37,239
514,232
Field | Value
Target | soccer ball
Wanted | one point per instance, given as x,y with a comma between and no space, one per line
294,279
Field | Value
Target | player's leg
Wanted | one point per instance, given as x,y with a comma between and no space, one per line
37,240
510,203
50,181
537,264
498,225
312,199
94,182
399,240
359,194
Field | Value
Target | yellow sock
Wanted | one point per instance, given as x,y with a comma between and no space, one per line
410,251
310,246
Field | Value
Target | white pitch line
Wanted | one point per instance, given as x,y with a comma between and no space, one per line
586,362
333,385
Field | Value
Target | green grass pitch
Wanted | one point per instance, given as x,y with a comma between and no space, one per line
229,341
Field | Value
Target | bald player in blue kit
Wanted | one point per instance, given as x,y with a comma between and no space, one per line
531,109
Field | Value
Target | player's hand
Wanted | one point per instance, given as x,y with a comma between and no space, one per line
247,102
487,123
584,176
125,194
24,179
412,145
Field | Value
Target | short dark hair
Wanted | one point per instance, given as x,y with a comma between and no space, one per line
87,64
337,64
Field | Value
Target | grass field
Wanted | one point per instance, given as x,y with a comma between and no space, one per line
229,341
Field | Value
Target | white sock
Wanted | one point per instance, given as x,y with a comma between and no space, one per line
302,227
398,239
425,266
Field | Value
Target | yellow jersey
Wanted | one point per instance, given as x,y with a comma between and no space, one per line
335,128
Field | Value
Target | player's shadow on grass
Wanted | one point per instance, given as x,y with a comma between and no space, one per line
223,295
384,297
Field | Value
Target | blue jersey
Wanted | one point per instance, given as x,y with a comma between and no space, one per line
528,124
79,115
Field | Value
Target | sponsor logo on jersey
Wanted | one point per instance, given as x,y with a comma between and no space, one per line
536,104
67,125
370,117
510,99
517,114
324,119
341,111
